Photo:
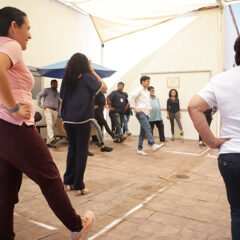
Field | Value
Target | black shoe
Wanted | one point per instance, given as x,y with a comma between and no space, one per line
50,145
54,141
123,138
117,140
90,154
106,149
98,144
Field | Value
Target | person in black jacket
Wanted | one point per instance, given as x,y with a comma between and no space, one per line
173,111
208,114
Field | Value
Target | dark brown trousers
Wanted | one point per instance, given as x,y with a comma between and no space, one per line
22,150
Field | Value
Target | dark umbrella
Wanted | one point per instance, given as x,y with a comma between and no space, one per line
56,70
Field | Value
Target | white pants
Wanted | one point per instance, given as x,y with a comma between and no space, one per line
51,117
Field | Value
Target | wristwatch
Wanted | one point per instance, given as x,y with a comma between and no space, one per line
14,109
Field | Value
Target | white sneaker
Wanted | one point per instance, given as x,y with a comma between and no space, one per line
157,146
141,152
87,222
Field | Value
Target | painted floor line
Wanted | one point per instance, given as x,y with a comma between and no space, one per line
42,225
211,156
186,153
117,221
38,223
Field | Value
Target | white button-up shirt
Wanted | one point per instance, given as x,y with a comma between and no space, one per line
140,100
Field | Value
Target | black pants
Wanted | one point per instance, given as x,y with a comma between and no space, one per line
160,127
22,150
102,122
209,120
229,166
78,137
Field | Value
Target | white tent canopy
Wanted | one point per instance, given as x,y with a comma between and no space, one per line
113,19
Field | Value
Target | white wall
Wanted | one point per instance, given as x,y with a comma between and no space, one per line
57,32
195,48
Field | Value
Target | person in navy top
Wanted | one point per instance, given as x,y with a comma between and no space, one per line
80,84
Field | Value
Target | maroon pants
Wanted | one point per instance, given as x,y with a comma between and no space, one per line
22,150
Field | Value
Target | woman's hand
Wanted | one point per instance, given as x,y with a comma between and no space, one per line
24,112
91,67
167,115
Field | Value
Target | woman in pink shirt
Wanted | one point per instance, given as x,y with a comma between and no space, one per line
22,150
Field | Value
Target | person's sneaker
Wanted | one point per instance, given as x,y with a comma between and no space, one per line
141,152
106,149
157,146
181,133
51,145
129,133
124,137
87,222
54,141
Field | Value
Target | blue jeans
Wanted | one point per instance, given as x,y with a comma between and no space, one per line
125,122
145,130
229,166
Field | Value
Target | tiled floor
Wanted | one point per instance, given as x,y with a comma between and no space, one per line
175,193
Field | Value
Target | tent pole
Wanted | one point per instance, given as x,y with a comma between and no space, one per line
220,53
102,54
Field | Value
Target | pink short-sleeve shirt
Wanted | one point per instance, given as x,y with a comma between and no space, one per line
21,81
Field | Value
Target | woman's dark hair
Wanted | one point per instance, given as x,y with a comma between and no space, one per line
78,64
237,50
171,92
150,88
144,78
7,16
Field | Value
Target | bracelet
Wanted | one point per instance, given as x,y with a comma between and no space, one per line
14,109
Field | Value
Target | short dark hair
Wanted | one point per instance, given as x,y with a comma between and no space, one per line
7,16
237,50
144,78
173,89
150,88
54,80
121,83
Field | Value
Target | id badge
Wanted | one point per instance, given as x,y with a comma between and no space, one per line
121,99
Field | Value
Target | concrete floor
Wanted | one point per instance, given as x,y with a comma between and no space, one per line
176,193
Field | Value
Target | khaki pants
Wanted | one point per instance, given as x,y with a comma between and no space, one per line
51,117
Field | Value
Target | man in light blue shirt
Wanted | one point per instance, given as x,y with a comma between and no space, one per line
50,105
156,116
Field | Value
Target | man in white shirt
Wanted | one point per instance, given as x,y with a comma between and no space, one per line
223,91
139,100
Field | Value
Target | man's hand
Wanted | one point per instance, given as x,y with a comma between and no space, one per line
217,142
137,110
24,112
150,111
112,109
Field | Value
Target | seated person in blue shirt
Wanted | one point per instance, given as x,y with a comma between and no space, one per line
50,105
156,116
117,102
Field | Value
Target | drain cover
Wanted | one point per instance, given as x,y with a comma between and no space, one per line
182,176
